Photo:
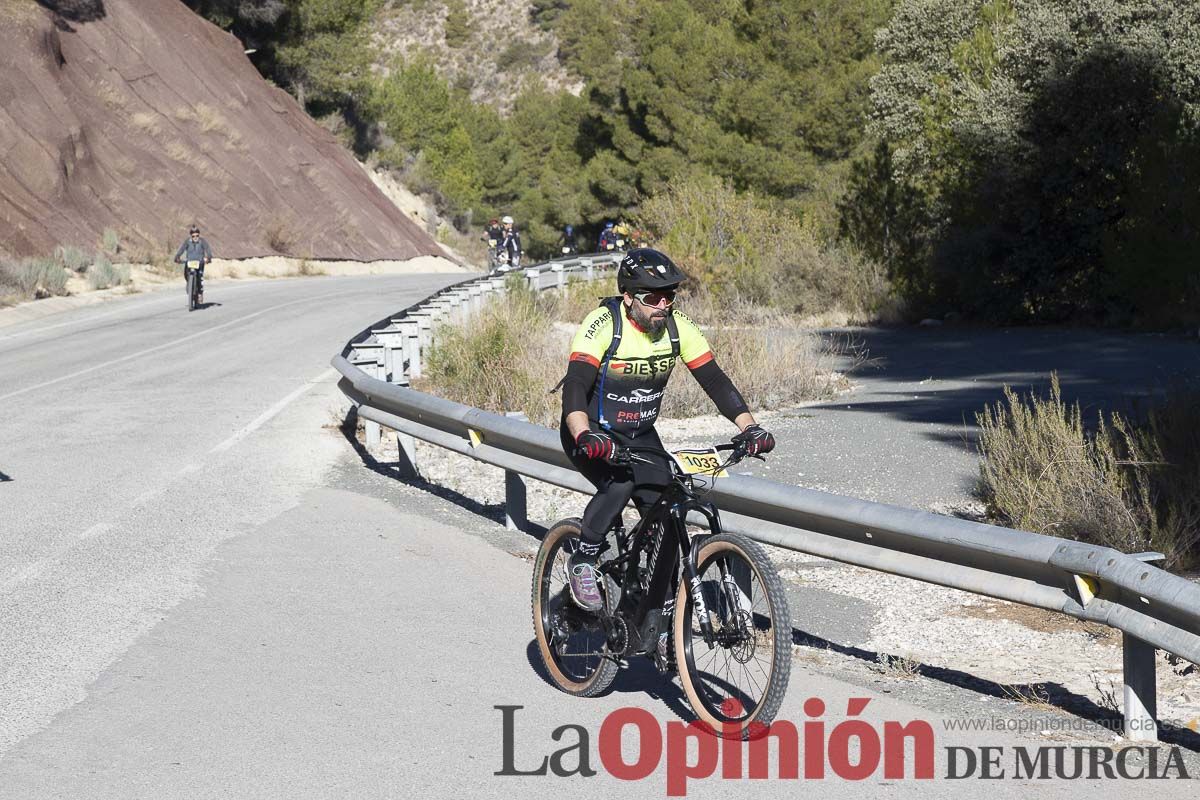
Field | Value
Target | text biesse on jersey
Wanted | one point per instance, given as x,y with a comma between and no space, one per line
638,372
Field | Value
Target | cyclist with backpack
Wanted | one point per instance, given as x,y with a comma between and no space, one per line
621,358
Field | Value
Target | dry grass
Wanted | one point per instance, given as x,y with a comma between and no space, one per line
178,151
31,278
899,667
512,355
740,247
280,234
1034,695
72,258
147,122
1123,485
109,95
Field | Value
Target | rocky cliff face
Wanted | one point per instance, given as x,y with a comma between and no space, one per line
138,115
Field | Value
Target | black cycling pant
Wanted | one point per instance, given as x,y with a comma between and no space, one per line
617,485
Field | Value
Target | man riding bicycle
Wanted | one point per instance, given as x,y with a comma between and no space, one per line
510,242
621,358
195,249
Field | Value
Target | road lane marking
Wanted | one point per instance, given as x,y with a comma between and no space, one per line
87,319
96,530
266,416
156,348
154,301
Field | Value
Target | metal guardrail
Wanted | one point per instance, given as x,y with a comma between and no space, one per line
1152,608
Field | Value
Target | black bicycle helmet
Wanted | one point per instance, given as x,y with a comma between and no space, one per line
646,269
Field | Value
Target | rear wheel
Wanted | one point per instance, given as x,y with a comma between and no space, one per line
573,643
741,676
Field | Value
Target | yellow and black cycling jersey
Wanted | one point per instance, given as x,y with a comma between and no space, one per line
627,395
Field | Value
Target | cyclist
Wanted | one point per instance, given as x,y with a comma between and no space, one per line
612,394
194,248
566,242
492,231
608,238
510,242
622,235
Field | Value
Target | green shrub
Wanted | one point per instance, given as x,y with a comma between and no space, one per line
32,277
103,274
737,246
458,23
72,258
1126,486
111,242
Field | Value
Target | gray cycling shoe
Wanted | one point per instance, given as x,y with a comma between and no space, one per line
585,582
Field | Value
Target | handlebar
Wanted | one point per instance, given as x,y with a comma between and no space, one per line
627,454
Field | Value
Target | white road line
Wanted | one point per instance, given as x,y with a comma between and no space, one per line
133,307
86,319
35,570
155,349
96,530
145,497
266,416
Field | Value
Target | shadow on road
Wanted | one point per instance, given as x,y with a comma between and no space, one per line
4,478
946,375
1036,695
639,676
393,470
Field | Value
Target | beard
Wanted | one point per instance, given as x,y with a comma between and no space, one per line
652,320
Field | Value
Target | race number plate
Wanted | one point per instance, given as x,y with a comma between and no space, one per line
193,265
704,461
566,249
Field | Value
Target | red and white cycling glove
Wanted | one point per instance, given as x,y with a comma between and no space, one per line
757,440
596,446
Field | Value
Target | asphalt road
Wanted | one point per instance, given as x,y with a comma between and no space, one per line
906,434
135,437
207,591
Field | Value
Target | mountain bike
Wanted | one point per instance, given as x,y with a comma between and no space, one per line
192,272
716,595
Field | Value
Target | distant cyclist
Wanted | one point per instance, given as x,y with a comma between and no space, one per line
195,249
510,242
608,238
566,242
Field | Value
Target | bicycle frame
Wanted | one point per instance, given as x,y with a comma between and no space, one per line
672,548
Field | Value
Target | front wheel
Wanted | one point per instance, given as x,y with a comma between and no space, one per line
739,677
573,642
191,289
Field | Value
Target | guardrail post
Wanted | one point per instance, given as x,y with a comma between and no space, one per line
414,333
406,457
532,275
1140,702
587,262
516,505
374,436
559,276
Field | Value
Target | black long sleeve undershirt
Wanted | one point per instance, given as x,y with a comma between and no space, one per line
720,389
580,378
